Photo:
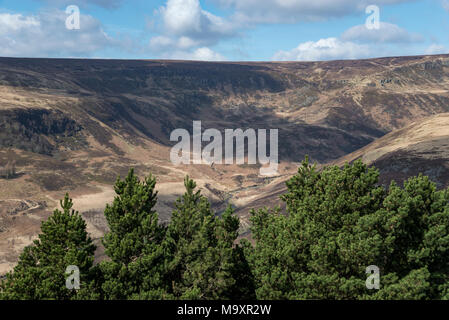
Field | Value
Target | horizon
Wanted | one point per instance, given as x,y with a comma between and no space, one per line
226,61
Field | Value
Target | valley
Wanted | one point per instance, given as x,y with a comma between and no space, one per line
73,125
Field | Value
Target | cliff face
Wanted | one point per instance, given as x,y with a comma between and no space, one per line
38,130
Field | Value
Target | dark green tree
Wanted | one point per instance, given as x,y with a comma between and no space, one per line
40,272
133,244
202,261
338,222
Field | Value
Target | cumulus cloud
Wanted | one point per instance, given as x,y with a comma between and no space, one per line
10,23
207,54
387,33
357,42
45,35
187,33
436,49
187,24
188,30
324,49
183,16
201,54
281,11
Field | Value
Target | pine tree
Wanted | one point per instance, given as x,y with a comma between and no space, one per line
202,261
40,272
133,243
339,221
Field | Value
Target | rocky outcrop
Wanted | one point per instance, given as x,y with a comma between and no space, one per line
37,130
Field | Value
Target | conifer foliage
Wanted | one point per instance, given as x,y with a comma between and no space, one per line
40,273
134,242
338,222
194,257
200,248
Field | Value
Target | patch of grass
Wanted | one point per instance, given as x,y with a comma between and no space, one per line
52,181
250,166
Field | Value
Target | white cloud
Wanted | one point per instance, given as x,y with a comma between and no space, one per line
324,49
291,11
436,49
186,42
13,22
45,35
360,42
206,54
188,31
201,54
161,42
387,33
186,18
182,16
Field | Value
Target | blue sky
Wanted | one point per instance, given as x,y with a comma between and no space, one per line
234,30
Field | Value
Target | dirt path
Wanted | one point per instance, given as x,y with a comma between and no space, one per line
31,205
